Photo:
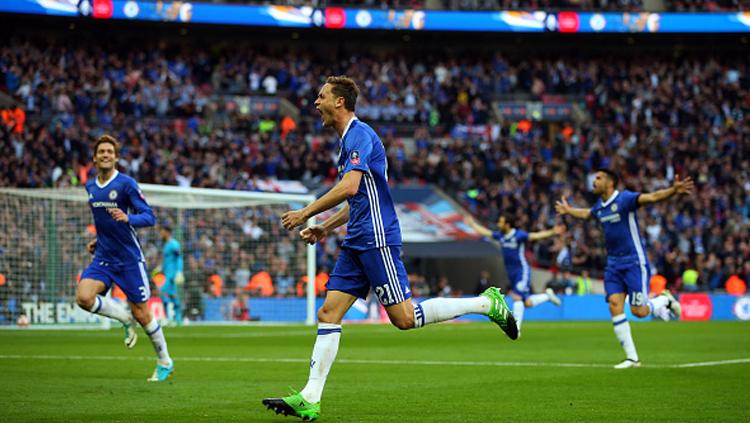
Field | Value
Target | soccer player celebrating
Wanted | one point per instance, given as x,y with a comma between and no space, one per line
118,207
370,254
513,245
627,272
171,266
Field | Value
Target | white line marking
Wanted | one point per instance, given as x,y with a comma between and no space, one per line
383,362
711,363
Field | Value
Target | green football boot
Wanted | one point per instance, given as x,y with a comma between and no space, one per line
294,405
500,313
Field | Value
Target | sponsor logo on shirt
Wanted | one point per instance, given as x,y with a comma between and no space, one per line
107,204
612,218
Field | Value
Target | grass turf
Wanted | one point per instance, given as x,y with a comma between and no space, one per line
441,373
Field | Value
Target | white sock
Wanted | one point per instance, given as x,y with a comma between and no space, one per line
518,308
622,332
658,306
441,309
110,308
153,330
663,313
323,355
537,299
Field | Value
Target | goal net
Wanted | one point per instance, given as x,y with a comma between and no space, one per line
239,263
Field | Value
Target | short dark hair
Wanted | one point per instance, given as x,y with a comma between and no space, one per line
167,228
107,139
509,219
611,174
343,86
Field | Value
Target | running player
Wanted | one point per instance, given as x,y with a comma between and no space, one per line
628,271
370,254
118,207
513,244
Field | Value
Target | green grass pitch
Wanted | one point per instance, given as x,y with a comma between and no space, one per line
443,373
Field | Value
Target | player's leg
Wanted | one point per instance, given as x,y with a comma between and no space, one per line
133,281
95,281
326,346
169,296
519,306
346,283
536,299
615,288
387,276
662,306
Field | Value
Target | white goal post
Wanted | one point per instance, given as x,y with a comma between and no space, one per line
227,236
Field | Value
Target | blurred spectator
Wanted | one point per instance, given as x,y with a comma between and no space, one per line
690,280
736,286
483,283
583,283
260,284
444,288
240,310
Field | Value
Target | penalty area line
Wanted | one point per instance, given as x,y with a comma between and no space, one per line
380,362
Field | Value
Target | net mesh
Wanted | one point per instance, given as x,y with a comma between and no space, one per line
239,263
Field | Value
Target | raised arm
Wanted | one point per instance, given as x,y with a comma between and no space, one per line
557,230
684,186
477,227
562,207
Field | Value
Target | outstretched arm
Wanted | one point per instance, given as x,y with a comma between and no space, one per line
684,186
562,207
557,230
477,227
347,187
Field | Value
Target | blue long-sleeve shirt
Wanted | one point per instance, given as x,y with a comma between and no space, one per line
117,242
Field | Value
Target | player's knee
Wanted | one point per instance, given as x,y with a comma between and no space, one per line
85,300
615,305
639,311
404,323
326,315
142,315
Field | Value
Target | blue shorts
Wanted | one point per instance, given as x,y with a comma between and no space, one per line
380,268
520,283
131,278
631,279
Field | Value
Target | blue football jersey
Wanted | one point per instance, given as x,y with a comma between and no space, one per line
171,259
116,242
514,250
372,216
622,235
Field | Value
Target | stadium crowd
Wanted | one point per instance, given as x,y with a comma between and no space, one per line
173,109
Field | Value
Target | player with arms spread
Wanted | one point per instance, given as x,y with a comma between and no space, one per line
118,207
370,254
513,245
628,271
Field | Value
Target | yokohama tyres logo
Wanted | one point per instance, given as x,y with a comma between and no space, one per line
696,306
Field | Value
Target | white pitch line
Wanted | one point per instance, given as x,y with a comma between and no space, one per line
712,363
383,362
